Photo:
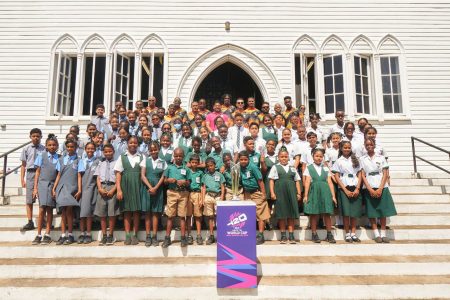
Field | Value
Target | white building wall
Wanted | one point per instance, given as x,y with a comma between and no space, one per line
267,29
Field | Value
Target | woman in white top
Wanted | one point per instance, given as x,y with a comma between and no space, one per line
347,174
379,203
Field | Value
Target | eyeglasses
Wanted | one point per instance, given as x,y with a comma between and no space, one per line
239,102
265,107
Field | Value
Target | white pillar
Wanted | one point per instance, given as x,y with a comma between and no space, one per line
107,95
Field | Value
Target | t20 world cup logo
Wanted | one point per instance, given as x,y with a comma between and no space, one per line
237,220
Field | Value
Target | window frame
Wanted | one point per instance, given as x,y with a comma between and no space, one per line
122,76
370,85
333,75
61,56
304,93
390,75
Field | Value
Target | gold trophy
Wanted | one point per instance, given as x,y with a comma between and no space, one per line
235,171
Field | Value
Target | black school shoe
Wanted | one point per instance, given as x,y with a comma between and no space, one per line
283,239
148,240
190,240
81,239
69,240
28,226
46,240
61,240
183,242
199,240
210,240
103,240
260,238
37,240
155,242
167,242
87,239
110,240
134,240
330,238
292,238
315,238
385,240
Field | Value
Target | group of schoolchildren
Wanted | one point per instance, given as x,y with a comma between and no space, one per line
146,163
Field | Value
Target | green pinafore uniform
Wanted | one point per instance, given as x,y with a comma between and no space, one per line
286,205
131,186
320,200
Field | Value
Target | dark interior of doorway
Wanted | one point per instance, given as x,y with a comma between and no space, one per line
228,78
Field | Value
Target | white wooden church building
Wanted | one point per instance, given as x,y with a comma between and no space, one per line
387,60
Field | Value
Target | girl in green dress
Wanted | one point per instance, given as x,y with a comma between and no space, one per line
378,199
128,183
166,151
347,174
268,160
152,195
285,189
268,132
319,194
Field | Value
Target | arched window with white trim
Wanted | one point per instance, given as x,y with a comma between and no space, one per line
63,77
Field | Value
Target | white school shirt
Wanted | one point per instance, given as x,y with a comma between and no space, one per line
132,158
375,164
279,131
300,147
168,150
355,143
294,135
156,163
291,150
318,170
232,135
307,157
175,138
229,145
360,150
332,155
358,136
344,167
260,144
273,174
319,132
336,128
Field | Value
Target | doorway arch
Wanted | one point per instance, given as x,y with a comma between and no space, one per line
228,78
251,64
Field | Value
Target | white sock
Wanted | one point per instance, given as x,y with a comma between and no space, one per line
347,234
376,233
383,233
63,235
39,235
47,234
353,234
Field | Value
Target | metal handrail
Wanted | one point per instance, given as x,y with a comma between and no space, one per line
415,157
5,163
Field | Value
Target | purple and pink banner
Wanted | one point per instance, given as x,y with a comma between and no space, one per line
236,244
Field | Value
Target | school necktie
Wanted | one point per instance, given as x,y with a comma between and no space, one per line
107,175
223,144
238,138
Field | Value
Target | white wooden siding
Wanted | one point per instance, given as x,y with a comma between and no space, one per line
267,29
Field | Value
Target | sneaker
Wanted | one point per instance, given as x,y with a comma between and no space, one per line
46,240
283,239
356,239
134,240
385,240
292,238
190,240
199,240
37,240
210,240
260,238
183,242
81,239
148,240
155,242
88,239
127,239
167,242
110,240
28,226
268,226
330,238
348,239
61,240
315,238
103,240
69,240
378,239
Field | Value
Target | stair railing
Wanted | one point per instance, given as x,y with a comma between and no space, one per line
415,157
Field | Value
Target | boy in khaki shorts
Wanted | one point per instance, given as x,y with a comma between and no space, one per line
177,181
194,204
254,190
213,190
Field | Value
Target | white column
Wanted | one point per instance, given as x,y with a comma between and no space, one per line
108,78
320,94
78,105
137,77
349,88
377,97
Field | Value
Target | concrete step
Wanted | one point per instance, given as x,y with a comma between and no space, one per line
420,218
440,181
416,190
432,175
424,199
401,233
409,182
270,291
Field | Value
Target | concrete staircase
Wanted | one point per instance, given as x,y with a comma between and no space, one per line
415,265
